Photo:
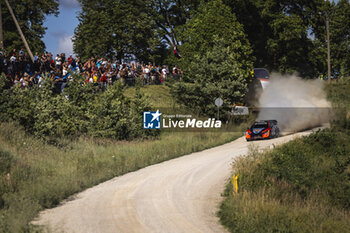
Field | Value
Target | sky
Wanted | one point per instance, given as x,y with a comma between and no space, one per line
58,36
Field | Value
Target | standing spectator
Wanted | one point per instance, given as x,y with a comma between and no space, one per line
164,75
36,57
70,59
63,57
153,74
64,69
103,82
13,58
146,75
21,53
58,61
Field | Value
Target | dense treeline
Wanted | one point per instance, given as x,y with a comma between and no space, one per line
285,36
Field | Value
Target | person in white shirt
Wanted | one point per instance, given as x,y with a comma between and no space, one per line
164,74
58,61
146,72
13,58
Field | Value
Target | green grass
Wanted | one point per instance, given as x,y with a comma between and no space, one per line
301,186
158,95
35,175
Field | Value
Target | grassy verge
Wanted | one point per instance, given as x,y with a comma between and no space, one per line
34,175
301,186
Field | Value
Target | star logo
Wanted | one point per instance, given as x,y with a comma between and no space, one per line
151,120
156,115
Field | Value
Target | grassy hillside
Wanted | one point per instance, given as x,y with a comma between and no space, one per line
35,175
158,95
301,186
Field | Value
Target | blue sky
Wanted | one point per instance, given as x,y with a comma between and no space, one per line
61,29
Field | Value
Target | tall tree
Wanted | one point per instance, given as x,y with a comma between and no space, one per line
170,15
340,38
93,36
147,29
214,19
30,15
216,58
279,32
118,28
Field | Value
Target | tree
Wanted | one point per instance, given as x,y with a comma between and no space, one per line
30,15
279,33
214,19
147,29
93,36
216,73
169,17
116,28
217,59
340,38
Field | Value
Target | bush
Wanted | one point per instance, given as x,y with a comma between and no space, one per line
78,110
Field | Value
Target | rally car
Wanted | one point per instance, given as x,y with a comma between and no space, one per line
262,130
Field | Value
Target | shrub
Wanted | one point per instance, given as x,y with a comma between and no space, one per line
78,110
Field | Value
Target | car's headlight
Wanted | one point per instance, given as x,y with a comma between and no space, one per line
266,134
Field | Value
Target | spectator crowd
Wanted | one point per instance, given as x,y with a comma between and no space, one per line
100,72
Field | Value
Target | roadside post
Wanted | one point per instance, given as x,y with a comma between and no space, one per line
235,183
218,103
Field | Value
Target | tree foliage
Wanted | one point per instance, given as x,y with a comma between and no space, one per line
146,29
116,28
217,59
278,32
290,36
214,19
340,38
215,74
30,16
169,17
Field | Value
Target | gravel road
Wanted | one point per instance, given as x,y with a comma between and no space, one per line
180,195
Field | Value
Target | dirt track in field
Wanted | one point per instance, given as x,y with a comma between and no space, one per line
180,195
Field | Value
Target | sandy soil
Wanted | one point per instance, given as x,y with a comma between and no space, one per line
180,195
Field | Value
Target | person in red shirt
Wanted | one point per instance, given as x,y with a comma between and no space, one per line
70,59
103,82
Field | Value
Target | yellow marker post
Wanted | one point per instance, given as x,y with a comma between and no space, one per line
235,183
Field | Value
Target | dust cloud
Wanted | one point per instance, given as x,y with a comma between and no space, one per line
296,103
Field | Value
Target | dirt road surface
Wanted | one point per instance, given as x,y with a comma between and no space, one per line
180,195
